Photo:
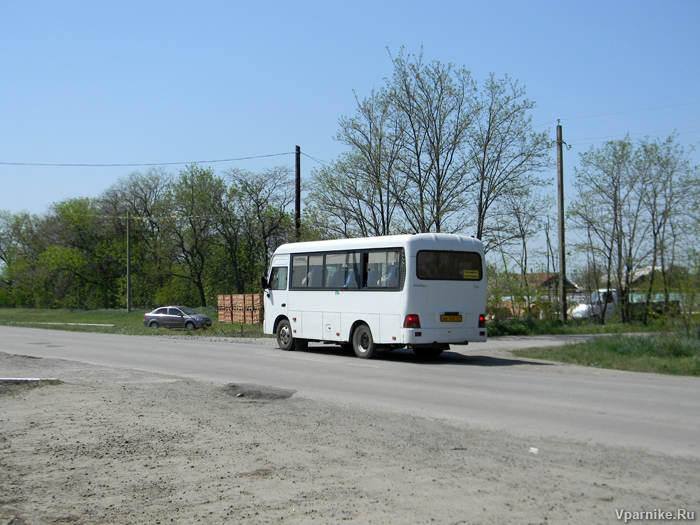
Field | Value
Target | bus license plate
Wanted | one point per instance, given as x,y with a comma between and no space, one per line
451,318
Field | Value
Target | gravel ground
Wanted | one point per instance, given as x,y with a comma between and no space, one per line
118,446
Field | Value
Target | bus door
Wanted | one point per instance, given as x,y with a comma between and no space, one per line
276,295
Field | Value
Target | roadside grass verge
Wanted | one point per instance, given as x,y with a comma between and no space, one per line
531,326
120,321
10,387
673,354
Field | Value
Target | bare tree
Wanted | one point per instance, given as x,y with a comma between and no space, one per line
609,205
358,192
504,153
264,198
435,108
666,184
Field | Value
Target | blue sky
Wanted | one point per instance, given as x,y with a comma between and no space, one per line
140,82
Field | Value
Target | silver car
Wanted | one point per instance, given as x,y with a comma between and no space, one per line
176,317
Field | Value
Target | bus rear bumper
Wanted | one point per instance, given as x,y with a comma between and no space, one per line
426,336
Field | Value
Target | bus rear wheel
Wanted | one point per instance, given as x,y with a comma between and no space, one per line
363,344
284,335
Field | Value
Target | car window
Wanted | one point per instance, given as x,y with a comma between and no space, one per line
173,311
161,311
189,311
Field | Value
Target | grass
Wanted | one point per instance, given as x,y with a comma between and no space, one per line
129,323
17,387
530,326
673,354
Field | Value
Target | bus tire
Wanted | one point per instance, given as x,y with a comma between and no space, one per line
362,342
284,335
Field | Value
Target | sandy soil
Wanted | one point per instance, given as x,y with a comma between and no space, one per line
118,446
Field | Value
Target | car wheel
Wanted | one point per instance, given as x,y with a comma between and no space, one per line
190,326
154,325
284,335
363,343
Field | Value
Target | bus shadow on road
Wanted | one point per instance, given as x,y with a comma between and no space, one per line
454,358
405,355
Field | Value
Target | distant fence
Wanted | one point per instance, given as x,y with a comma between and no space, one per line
241,308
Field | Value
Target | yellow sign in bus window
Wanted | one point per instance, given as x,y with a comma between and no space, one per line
471,274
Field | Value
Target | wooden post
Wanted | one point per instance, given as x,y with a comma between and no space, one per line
297,199
128,261
562,239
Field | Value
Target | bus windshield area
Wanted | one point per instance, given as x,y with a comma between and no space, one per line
448,265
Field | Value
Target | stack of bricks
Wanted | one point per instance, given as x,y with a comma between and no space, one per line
241,308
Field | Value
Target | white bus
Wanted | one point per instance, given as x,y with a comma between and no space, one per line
422,291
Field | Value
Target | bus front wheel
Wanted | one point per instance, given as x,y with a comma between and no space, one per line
284,335
362,342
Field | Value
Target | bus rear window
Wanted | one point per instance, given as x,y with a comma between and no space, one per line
448,266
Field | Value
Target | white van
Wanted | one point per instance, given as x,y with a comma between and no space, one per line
422,291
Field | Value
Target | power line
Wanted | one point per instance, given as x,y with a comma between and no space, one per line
55,165
577,142
619,113
315,159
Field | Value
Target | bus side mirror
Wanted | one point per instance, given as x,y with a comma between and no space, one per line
263,283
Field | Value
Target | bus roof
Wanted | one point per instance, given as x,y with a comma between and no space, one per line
417,241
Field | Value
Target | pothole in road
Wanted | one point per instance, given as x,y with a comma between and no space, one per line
257,392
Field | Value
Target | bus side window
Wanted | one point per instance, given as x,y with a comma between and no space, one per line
278,279
354,273
299,271
336,279
392,280
374,278
335,274
315,271
383,269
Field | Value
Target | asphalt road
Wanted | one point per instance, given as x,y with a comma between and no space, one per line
477,385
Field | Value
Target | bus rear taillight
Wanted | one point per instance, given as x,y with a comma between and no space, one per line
482,321
411,321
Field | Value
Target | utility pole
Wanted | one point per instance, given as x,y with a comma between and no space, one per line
297,200
562,239
128,261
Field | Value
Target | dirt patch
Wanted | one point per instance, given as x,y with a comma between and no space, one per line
118,446
258,393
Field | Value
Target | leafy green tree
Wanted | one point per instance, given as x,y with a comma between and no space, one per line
266,196
145,198
632,204
668,183
607,207
193,197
